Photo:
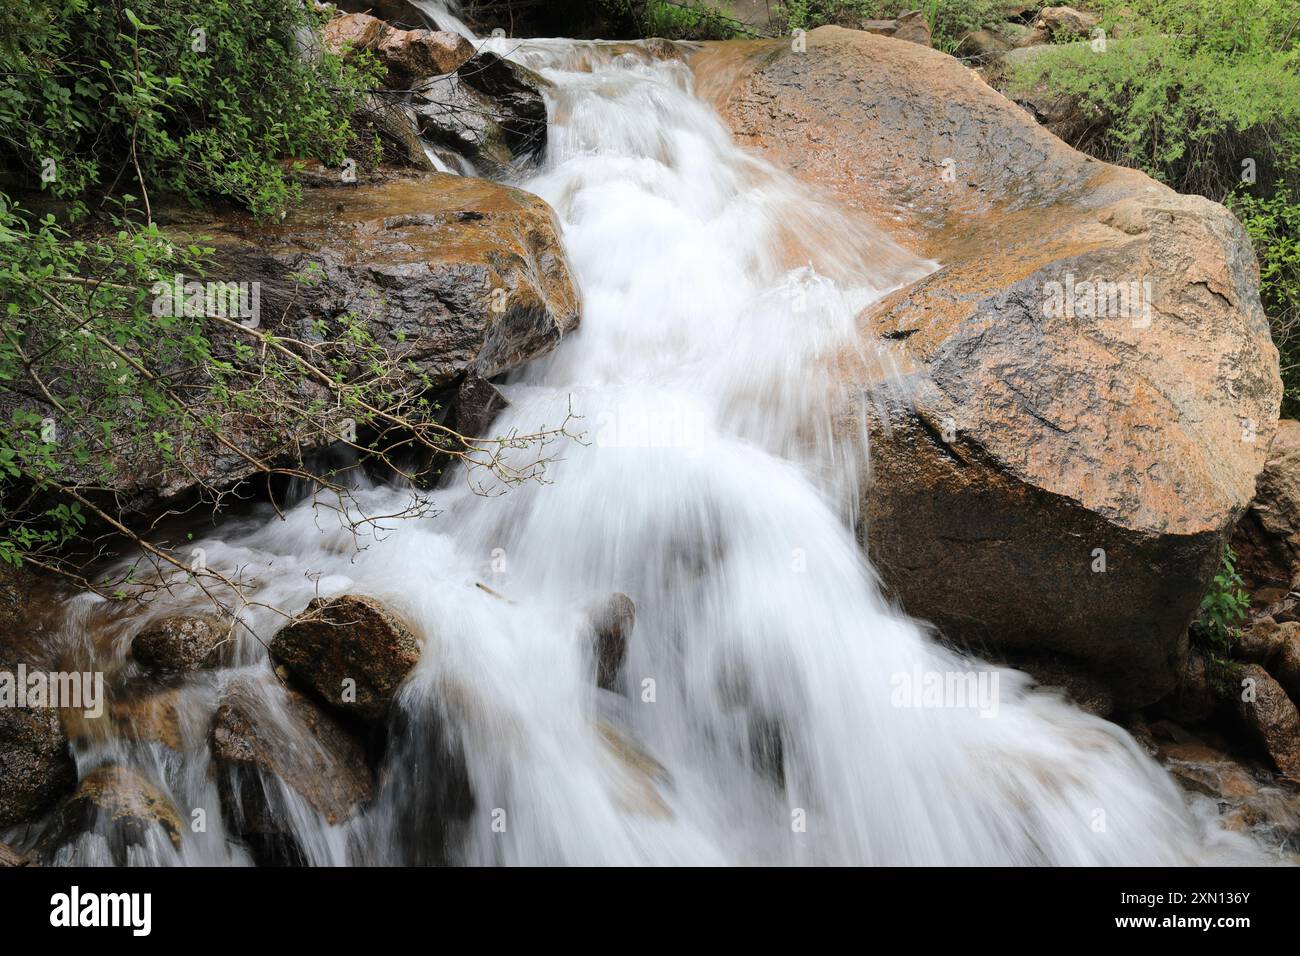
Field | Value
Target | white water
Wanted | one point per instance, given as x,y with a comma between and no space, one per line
715,292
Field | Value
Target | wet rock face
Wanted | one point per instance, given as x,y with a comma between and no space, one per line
491,111
1270,717
453,276
36,766
118,804
407,55
265,744
178,644
351,651
1267,540
1046,477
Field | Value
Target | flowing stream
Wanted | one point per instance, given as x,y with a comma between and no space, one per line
764,714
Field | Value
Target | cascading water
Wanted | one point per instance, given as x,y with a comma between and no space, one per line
764,716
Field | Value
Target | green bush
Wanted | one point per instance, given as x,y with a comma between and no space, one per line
1272,217
950,20
108,383
202,98
1223,608
682,19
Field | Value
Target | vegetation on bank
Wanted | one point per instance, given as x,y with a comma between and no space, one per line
1222,610
107,379
1203,95
950,20
201,99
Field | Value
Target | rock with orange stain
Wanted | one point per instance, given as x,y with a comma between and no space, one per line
1088,386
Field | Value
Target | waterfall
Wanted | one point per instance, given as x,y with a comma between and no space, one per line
773,708
443,15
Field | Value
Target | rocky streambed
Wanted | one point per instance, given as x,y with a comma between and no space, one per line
1067,413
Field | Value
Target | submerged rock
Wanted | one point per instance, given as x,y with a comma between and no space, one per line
1248,798
264,744
119,804
612,621
1045,478
637,786
177,644
9,857
351,650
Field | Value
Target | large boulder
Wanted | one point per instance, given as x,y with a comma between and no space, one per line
36,765
406,55
180,643
1046,477
351,650
452,276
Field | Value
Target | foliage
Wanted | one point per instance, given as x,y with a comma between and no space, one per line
1272,217
107,382
678,19
673,19
198,97
1184,90
950,20
1224,606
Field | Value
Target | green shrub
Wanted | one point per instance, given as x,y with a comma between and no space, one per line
672,19
1272,217
197,97
950,20
682,19
106,383
1223,608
